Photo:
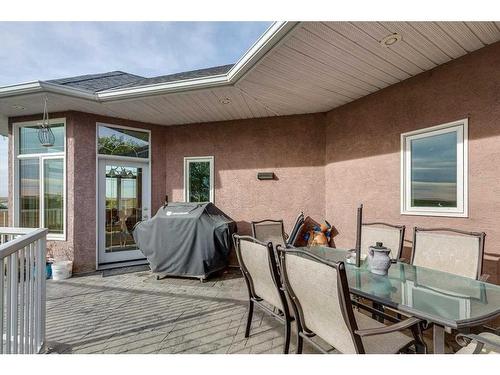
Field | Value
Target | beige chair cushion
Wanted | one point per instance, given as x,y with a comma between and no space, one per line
256,260
270,232
452,253
371,234
469,349
389,343
315,286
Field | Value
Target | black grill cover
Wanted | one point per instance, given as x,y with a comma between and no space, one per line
186,239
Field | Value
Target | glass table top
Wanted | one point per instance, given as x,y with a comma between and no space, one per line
440,297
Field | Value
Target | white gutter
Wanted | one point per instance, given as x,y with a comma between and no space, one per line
265,43
273,35
20,88
41,86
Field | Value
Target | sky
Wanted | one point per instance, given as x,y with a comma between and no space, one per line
49,50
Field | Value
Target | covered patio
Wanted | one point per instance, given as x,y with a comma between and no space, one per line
398,119
133,312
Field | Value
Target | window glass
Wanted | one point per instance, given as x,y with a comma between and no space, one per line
30,144
29,193
123,142
434,171
54,195
199,181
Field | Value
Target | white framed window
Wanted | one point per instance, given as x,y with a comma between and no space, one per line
40,179
434,169
199,179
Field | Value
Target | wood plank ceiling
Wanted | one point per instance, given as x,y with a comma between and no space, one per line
318,66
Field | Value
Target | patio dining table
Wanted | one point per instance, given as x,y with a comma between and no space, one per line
444,299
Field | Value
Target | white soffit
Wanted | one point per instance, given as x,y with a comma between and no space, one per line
306,67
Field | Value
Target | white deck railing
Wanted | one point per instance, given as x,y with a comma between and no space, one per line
22,289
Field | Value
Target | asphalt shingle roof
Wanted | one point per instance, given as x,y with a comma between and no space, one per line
200,73
98,82
118,79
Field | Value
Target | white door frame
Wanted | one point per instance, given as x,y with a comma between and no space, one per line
131,255
118,158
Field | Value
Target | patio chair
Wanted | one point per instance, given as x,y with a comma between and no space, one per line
269,231
259,268
449,250
322,306
392,236
296,229
484,343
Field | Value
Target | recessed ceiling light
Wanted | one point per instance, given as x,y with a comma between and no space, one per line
390,40
225,100
18,107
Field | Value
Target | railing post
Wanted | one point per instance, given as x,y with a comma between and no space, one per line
42,285
2,306
22,290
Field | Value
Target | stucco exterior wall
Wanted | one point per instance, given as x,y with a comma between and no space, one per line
325,164
292,147
363,148
80,245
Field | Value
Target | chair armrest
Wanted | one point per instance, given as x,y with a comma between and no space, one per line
465,339
484,277
407,323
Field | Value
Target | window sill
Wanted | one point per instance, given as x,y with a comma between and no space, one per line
435,213
56,238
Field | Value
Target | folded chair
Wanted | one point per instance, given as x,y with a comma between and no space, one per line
296,229
259,268
449,250
322,306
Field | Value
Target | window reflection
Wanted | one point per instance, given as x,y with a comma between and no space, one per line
54,195
199,181
29,193
123,142
434,171
30,144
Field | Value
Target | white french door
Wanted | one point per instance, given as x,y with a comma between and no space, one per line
123,200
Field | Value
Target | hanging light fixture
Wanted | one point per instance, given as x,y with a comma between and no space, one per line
45,134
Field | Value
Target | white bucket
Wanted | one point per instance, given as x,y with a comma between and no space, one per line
62,269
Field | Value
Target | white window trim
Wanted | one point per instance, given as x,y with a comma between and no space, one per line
41,157
191,159
461,127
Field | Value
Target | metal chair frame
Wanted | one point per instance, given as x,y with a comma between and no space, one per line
254,299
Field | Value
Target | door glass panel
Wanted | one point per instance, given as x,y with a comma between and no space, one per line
30,144
29,193
199,181
434,171
53,170
123,206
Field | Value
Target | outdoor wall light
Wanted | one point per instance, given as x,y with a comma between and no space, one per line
265,175
390,40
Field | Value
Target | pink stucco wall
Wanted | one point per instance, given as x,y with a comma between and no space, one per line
291,147
326,164
80,245
363,148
